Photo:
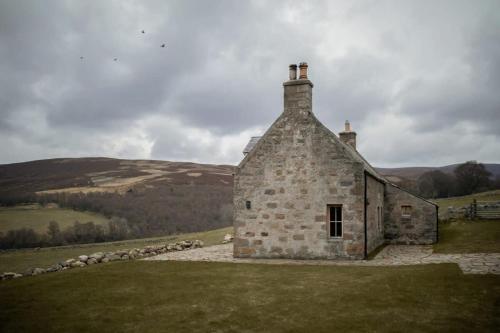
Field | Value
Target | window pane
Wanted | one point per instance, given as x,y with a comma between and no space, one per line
335,213
338,229
332,229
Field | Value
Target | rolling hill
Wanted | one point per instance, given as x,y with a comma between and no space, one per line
412,173
156,197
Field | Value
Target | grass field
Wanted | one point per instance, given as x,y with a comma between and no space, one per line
466,200
464,236
144,296
21,260
140,296
37,217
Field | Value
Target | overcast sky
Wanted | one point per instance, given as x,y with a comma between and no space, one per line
419,80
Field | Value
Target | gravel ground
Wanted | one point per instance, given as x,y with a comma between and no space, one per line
391,255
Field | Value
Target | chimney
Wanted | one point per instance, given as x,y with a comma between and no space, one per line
303,70
348,136
293,72
298,93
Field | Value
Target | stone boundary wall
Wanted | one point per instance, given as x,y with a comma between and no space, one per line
104,257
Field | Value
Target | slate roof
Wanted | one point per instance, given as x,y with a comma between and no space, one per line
253,141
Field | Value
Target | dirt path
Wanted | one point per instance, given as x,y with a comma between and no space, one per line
391,255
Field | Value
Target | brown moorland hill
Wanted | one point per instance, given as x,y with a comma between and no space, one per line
156,197
412,173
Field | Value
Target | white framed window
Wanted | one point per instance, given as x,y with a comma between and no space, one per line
335,221
406,211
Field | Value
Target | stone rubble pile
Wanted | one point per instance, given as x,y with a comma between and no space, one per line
104,257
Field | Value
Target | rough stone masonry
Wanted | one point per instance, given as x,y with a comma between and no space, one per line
299,174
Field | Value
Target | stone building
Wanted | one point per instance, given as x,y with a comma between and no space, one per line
303,192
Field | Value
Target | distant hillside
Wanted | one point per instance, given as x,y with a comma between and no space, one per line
106,175
156,197
412,173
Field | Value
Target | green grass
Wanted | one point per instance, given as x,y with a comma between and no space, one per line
37,217
21,260
464,236
466,200
140,296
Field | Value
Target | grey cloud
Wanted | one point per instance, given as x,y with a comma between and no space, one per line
354,87
468,93
221,73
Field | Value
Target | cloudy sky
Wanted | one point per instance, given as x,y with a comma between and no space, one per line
419,80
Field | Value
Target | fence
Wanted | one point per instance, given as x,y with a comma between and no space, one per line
485,209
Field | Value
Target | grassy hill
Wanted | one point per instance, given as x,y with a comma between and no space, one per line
156,197
21,260
37,217
98,174
466,200
464,236
412,173
407,177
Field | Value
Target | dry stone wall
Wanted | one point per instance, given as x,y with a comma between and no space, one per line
104,257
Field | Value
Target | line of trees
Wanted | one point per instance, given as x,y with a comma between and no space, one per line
157,211
467,178
78,233
162,210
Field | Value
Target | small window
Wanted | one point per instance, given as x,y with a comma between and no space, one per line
406,211
335,221
248,204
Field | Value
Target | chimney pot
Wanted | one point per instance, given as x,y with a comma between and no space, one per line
347,126
293,72
303,71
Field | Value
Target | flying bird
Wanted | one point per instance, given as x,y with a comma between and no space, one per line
162,45
115,59
143,31
81,58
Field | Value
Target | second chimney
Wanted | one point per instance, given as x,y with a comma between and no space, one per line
348,136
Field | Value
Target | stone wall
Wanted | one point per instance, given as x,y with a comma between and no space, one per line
419,227
283,186
374,213
104,257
